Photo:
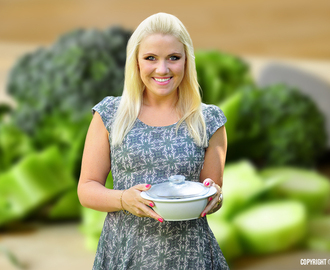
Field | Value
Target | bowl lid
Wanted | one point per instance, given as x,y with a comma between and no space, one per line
177,188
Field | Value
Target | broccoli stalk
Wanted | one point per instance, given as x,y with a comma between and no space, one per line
34,181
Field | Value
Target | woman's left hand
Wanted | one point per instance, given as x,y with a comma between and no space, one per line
215,201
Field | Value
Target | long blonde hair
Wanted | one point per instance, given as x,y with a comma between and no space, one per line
189,99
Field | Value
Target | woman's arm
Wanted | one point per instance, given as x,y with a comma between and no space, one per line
95,168
215,157
214,163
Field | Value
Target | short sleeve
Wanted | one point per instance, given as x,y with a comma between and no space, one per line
214,119
107,109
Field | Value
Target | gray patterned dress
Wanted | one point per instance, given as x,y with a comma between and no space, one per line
150,155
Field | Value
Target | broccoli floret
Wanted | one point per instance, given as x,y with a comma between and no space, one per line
69,77
279,125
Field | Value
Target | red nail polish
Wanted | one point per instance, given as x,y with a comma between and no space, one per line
210,199
204,214
207,183
160,220
151,204
148,185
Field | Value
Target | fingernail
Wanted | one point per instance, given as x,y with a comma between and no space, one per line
151,204
160,220
204,214
207,183
210,199
148,185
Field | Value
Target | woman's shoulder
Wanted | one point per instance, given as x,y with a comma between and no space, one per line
214,118
211,111
107,108
107,104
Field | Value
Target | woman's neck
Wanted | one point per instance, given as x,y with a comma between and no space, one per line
160,102
159,111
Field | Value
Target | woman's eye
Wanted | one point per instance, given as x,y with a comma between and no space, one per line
174,58
150,58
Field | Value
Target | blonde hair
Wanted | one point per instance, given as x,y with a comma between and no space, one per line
189,99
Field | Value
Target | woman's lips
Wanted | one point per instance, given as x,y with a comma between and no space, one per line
162,81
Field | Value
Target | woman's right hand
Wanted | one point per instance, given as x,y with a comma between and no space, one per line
135,204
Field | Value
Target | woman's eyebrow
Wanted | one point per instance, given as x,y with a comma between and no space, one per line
174,53
148,54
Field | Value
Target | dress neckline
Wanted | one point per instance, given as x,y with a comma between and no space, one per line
167,126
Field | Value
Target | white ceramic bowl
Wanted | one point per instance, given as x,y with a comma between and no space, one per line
180,209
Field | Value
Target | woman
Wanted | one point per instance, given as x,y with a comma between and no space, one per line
158,128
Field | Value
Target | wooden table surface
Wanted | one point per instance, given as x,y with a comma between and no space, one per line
61,247
47,247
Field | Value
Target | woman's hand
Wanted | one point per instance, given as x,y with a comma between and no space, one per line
215,201
133,202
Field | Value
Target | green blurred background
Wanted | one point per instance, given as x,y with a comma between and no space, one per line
265,64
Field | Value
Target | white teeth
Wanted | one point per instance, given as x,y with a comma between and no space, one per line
162,80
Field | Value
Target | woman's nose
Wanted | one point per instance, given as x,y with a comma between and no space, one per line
162,68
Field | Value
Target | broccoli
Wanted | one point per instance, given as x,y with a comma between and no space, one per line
4,110
55,88
276,125
220,74
69,77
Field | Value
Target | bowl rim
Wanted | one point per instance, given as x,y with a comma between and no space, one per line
211,192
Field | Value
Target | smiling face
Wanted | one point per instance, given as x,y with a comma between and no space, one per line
161,61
